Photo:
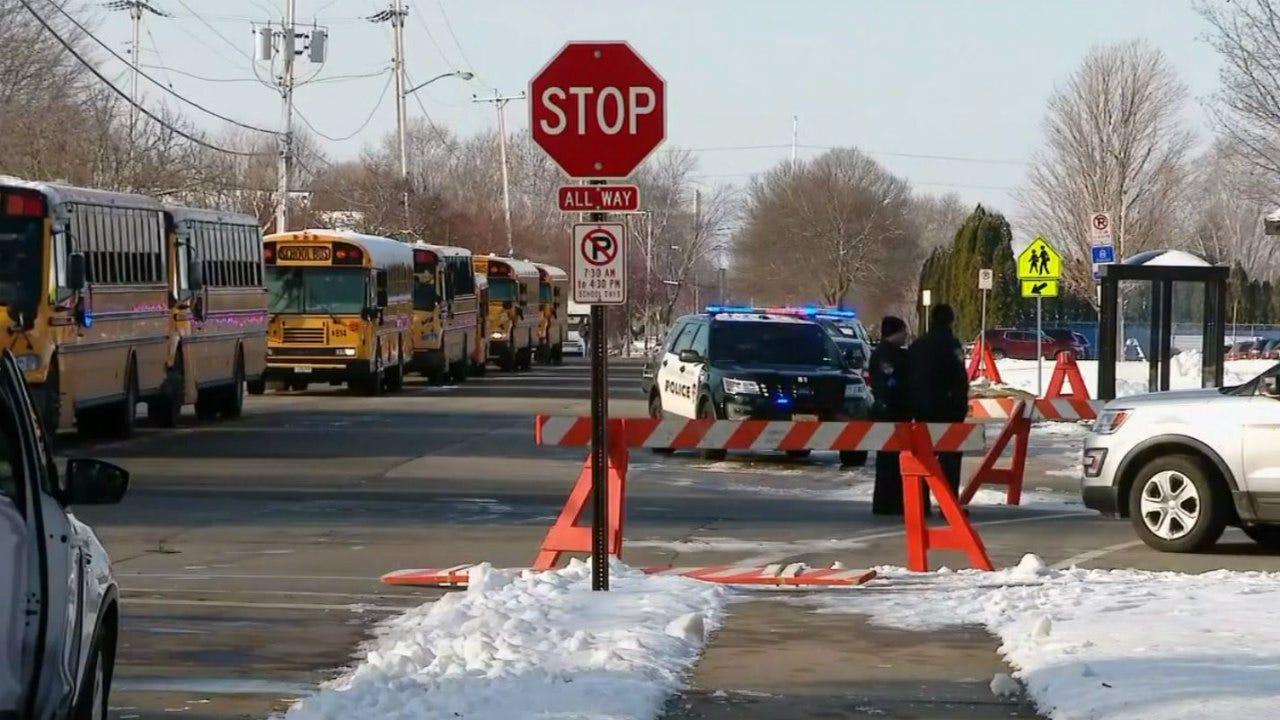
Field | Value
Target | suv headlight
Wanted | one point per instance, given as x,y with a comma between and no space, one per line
1110,421
734,386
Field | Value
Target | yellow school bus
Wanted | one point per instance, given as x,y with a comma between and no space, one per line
444,312
218,321
553,321
84,285
512,312
480,350
340,310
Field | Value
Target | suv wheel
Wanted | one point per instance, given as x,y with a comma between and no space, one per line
655,412
1267,536
1175,507
706,412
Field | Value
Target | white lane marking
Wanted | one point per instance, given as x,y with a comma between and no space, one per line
286,593
350,607
1094,554
899,533
208,576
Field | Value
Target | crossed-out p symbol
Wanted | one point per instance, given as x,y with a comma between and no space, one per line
599,247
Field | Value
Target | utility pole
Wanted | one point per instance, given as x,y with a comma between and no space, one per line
795,134
284,43
500,101
136,10
396,15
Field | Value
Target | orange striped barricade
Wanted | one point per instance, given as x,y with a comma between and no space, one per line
919,463
1017,430
1056,409
568,534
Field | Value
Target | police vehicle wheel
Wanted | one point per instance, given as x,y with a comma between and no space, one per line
853,458
655,411
706,412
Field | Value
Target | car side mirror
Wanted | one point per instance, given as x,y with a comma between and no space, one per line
94,482
76,271
195,275
690,356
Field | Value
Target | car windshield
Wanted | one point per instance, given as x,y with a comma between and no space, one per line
768,343
336,291
20,261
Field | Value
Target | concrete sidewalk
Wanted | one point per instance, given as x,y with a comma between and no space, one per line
773,660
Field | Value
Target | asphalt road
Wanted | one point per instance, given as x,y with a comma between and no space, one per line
249,552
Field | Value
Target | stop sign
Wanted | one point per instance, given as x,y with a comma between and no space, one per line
597,109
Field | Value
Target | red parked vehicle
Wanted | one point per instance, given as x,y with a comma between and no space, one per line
1021,344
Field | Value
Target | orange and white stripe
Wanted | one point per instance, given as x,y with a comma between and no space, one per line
777,574
757,435
1059,409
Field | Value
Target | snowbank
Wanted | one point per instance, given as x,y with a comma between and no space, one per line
1105,644
1131,377
530,645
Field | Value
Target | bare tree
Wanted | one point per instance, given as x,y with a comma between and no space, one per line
1114,141
837,229
1225,212
1246,34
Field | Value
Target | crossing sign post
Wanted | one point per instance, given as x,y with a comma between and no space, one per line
1039,270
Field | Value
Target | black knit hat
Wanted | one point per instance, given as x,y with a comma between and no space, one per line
891,325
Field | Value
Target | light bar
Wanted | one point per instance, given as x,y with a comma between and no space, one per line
717,309
808,312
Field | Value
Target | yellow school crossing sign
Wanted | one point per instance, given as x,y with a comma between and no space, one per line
1039,269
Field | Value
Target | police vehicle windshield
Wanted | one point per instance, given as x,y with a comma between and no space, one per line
772,343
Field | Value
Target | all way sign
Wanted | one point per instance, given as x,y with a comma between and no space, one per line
599,198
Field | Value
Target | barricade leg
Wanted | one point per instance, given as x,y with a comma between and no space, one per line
1018,431
567,534
920,467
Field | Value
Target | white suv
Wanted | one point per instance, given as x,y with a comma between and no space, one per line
1184,465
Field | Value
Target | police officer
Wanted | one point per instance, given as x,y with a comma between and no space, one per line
890,377
939,384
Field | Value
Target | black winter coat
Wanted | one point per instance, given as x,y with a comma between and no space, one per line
890,383
939,383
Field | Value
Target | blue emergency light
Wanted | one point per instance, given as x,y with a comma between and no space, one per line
810,311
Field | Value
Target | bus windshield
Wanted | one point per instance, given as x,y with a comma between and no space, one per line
20,267
502,290
336,291
424,292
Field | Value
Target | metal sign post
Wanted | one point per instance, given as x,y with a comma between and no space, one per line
599,438
1039,352
986,281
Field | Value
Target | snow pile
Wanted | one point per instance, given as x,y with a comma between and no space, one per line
530,645
1105,644
1131,377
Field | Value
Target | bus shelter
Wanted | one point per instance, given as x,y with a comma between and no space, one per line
1152,284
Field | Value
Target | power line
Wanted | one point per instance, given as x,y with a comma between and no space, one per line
89,66
344,78
365,124
202,78
427,116
156,82
449,26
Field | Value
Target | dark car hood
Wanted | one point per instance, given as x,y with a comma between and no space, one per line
758,371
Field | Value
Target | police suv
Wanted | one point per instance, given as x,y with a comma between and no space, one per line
754,364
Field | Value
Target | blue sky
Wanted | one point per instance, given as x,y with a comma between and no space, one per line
895,78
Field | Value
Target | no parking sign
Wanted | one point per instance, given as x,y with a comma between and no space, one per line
599,263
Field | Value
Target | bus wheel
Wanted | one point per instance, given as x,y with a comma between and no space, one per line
123,417
479,368
524,360
51,403
232,396
206,405
256,387
507,363
165,410
394,378
461,370
557,354
371,383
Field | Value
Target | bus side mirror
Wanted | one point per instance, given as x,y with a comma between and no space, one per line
76,271
195,275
